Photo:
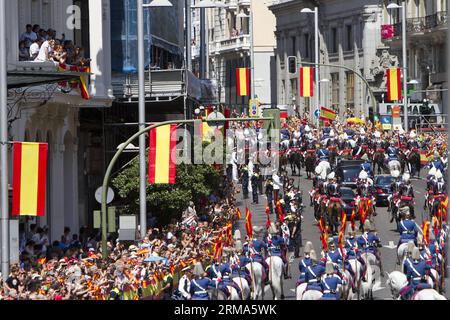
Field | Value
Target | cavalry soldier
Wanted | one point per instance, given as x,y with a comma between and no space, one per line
365,189
369,241
406,193
305,262
334,255
257,249
277,246
323,153
392,152
200,284
214,273
313,273
396,186
330,283
412,141
417,274
408,229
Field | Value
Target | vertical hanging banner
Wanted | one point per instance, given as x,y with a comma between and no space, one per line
29,178
243,81
162,167
394,89
306,82
248,223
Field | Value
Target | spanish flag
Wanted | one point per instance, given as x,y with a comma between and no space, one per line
84,79
248,223
238,213
29,178
352,219
162,168
280,211
426,232
218,250
243,81
394,89
306,82
327,114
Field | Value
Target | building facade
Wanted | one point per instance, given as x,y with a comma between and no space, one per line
230,45
45,113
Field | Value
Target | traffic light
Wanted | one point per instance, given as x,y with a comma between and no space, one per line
292,64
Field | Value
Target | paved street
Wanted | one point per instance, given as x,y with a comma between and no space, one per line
310,232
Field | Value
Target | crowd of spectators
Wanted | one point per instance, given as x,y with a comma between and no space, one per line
73,268
37,44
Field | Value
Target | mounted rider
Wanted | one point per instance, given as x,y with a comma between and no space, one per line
365,189
369,242
323,153
407,228
313,273
277,246
406,193
417,275
305,262
200,284
257,249
330,283
392,152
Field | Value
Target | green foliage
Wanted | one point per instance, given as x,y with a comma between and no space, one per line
165,202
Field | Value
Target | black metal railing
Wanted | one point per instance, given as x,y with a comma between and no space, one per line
420,24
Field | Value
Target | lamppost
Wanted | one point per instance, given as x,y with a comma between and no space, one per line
141,108
327,81
316,49
405,77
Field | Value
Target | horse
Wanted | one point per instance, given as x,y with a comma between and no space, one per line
373,267
283,160
276,266
366,286
310,164
378,161
334,211
332,155
401,253
303,294
356,267
397,281
257,285
295,161
414,162
244,286
403,161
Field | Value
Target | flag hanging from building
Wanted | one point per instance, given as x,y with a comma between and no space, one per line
243,81
306,82
327,114
162,168
84,79
394,88
29,178
248,223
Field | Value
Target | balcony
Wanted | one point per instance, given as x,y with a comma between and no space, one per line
239,43
232,4
243,3
422,24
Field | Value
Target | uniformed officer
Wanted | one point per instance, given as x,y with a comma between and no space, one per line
369,241
314,273
244,180
408,229
323,153
200,284
416,275
305,262
254,181
296,233
184,285
330,283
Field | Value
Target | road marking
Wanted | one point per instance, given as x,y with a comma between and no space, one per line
391,245
293,290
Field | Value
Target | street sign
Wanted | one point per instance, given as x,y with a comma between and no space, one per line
386,122
317,113
213,116
109,196
254,108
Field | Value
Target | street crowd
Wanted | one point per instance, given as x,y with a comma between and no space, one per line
202,255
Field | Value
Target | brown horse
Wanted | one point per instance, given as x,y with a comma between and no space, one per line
334,211
365,208
378,160
310,164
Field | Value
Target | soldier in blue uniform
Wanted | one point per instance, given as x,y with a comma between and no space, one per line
330,283
417,275
369,242
200,284
392,152
408,229
437,163
257,250
323,153
277,246
367,166
305,262
314,273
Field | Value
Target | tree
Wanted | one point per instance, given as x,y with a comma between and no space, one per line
193,182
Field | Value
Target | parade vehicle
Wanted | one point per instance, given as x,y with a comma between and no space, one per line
348,175
383,189
348,197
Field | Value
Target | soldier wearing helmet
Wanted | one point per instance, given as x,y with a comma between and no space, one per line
330,283
416,275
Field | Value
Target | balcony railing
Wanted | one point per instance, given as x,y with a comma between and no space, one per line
421,24
241,42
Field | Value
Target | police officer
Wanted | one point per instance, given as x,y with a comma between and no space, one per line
416,275
269,193
244,181
184,284
330,283
254,182
200,284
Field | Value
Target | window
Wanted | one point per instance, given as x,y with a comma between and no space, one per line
334,40
349,38
306,40
293,88
335,90
350,89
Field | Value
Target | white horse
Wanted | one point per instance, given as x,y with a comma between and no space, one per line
325,165
366,286
394,165
397,281
401,253
356,267
303,294
275,275
256,273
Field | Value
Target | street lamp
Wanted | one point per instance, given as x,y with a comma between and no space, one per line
405,85
325,80
141,107
316,44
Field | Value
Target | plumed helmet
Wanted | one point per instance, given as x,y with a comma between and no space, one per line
367,225
363,175
238,245
308,247
406,177
332,175
273,229
415,254
237,234
438,174
432,171
307,128
313,256
258,230
404,211
395,173
329,268
411,246
198,269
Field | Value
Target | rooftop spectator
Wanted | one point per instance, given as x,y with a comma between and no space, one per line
28,36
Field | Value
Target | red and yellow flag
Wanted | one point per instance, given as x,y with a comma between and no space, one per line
229,233
248,223
243,81
394,89
162,168
29,178
343,225
426,231
306,82
268,223
238,212
218,249
327,114
280,211
352,219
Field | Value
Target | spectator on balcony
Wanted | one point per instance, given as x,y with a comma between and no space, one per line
45,51
70,49
28,36
34,49
78,58
241,32
42,35
36,29
234,33
24,54
59,55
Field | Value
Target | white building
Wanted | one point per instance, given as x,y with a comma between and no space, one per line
230,47
45,114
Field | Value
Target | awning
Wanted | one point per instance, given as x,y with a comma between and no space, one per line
166,45
20,79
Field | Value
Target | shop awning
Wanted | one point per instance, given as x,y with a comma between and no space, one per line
20,79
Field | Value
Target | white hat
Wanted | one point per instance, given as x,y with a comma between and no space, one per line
237,234
308,247
406,177
331,175
313,256
363,175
